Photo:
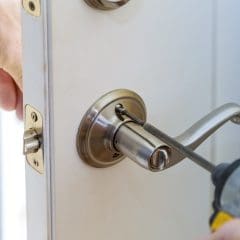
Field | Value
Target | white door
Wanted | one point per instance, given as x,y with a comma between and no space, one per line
181,57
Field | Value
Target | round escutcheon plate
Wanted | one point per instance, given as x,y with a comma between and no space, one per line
99,125
106,4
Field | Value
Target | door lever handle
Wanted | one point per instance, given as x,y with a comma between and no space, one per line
106,4
201,130
115,127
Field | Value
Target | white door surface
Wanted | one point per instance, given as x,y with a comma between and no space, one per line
182,58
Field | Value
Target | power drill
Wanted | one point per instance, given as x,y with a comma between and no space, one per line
226,204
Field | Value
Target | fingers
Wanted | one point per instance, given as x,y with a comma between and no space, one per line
11,96
10,57
8,92
230,231
10,39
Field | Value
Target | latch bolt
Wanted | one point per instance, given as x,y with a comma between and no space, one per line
33,139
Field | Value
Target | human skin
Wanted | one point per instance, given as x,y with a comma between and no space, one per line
10,57
230,231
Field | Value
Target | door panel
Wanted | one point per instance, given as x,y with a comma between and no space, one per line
227,73
162,50
166,51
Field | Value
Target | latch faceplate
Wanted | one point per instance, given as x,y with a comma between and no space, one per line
33,139
33,7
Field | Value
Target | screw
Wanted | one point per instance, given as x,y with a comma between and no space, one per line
120,111
116,155
160,159
36,163
236,119
31,6
34,117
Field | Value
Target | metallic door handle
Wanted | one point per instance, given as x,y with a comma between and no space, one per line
115,127
106,4
201,130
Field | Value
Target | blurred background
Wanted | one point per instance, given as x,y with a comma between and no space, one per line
12,179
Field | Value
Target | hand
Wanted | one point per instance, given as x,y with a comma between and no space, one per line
230,231
10,56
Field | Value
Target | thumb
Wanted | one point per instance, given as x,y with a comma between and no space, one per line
230,231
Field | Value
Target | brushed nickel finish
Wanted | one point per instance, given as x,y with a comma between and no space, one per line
95,138
115,126
106,4
33,137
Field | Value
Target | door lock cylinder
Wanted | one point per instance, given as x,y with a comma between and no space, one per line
115,127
